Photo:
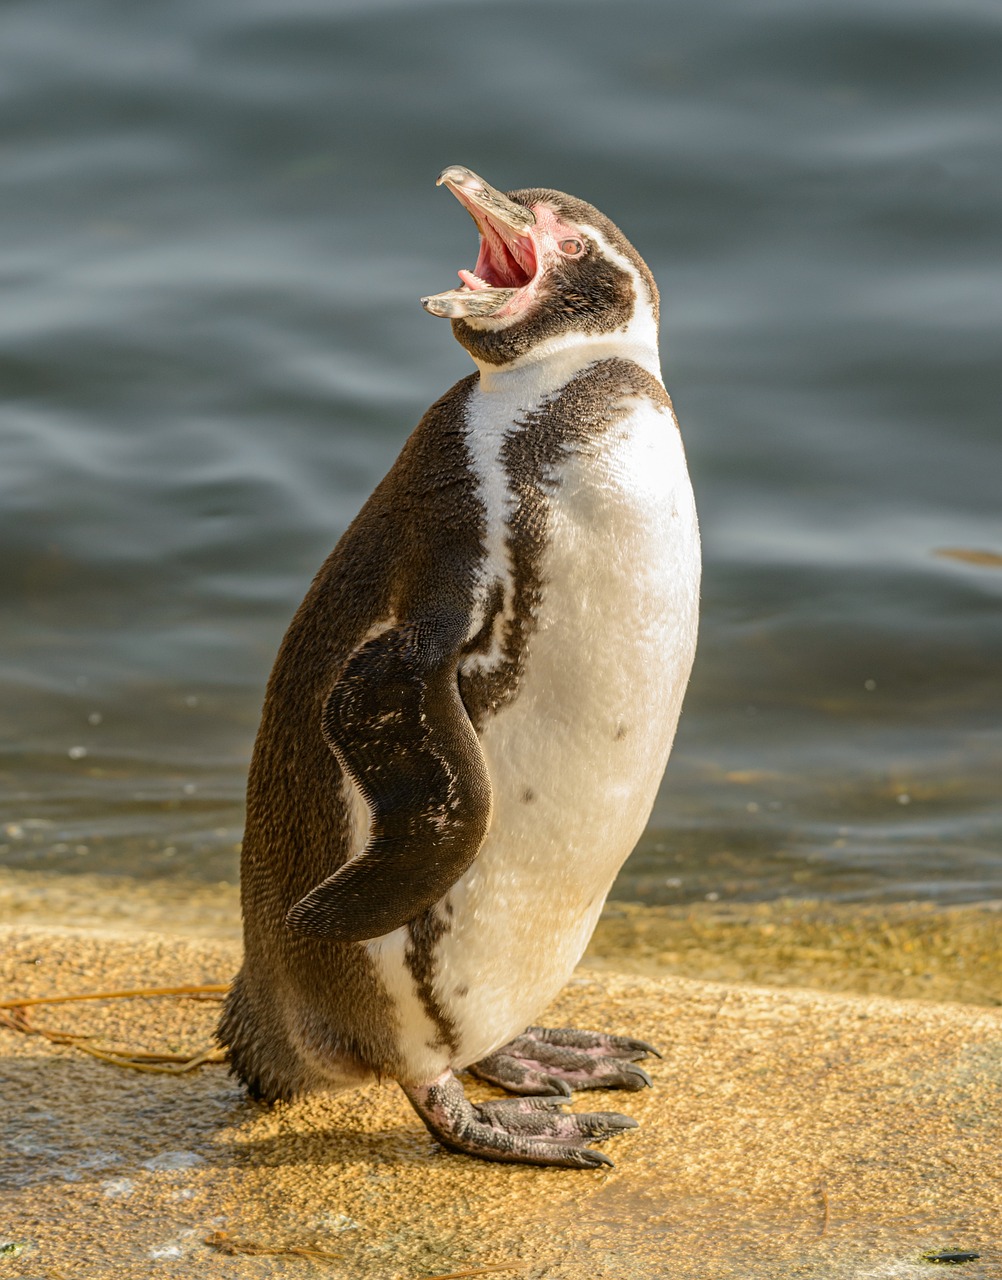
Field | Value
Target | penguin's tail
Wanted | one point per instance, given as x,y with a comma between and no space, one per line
260,1053
268,1059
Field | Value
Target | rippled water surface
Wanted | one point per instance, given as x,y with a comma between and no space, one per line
218,218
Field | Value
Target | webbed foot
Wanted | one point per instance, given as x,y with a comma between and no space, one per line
544,1061
514,1130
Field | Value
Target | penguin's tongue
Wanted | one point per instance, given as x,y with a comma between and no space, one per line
507,262
472,281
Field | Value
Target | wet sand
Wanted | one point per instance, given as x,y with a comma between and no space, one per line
906,950
789,1133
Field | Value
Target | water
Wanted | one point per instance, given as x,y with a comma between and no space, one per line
218,218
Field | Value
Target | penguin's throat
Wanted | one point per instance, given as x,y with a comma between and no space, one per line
506,260
505,280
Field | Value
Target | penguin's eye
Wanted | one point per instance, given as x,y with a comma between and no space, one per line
572,248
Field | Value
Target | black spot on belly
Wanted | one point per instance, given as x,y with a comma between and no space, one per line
528,795
621,732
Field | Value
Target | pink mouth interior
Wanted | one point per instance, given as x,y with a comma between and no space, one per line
506,260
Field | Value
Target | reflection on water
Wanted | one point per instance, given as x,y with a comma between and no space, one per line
218,222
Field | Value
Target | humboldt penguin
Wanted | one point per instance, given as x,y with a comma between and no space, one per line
469,717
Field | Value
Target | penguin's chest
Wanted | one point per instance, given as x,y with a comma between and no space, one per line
589,590
593,637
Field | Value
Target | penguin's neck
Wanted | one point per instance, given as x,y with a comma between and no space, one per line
541,372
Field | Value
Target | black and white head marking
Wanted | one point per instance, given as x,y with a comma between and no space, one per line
549,265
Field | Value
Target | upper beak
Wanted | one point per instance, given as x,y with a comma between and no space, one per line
479,197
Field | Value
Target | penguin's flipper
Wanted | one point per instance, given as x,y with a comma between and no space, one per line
399,729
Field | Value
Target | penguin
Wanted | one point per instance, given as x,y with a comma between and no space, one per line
470,715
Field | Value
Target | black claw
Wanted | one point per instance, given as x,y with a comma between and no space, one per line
596,1159
633,1070
642,1045
560,1087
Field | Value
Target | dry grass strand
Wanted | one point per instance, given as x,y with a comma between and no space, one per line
222,1242
170,1064
188,989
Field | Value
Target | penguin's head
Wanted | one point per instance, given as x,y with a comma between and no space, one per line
552,272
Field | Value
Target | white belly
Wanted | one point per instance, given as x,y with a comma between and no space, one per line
577,757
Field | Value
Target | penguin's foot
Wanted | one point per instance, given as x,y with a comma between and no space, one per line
514,1130
543,1061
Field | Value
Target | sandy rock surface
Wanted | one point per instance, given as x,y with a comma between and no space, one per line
789,1134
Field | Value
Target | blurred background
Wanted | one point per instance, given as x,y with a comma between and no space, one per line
218,218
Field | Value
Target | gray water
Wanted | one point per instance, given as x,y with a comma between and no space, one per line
218,217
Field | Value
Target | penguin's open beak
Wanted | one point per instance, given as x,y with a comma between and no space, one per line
508,260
